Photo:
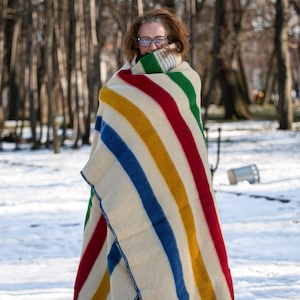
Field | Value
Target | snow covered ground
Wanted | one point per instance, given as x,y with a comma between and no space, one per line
43,201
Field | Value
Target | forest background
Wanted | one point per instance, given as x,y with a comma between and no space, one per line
55,56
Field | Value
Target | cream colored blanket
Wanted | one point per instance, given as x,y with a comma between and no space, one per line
152,230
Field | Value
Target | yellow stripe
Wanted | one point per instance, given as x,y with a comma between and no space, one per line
103,288
168,170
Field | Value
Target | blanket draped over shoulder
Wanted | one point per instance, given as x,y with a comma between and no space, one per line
152,230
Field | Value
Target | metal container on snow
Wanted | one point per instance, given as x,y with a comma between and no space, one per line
249,173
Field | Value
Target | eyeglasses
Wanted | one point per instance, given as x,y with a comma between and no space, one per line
146,41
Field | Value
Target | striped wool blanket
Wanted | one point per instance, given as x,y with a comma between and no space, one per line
152,230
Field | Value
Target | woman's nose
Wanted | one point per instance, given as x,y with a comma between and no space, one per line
153,46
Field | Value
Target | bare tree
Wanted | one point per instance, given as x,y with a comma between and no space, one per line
227,65
50,75
55,55
284,66
3,10
219,11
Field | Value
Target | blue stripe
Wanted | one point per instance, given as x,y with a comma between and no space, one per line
152,207
113,258
98,123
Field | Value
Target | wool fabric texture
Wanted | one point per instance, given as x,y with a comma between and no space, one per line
152,230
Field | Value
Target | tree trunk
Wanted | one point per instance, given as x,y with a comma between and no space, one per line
61,54
219,11
284,66
79,73
29,70
193,32
16,72
3,10
270,80
70,64
49,64
230,75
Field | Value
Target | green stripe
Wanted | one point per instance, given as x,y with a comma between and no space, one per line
187,87
88,212
150,64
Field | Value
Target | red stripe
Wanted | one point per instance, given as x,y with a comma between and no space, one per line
169,106
90,255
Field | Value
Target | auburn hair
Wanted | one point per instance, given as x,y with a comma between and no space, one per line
177,33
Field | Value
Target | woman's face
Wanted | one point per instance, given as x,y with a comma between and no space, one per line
152,36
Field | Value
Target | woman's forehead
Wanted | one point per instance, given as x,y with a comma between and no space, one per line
152,29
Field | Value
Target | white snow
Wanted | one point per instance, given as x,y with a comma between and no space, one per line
43,201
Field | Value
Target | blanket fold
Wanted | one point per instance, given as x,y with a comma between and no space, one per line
152,230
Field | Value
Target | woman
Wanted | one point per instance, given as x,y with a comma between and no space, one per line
152,230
